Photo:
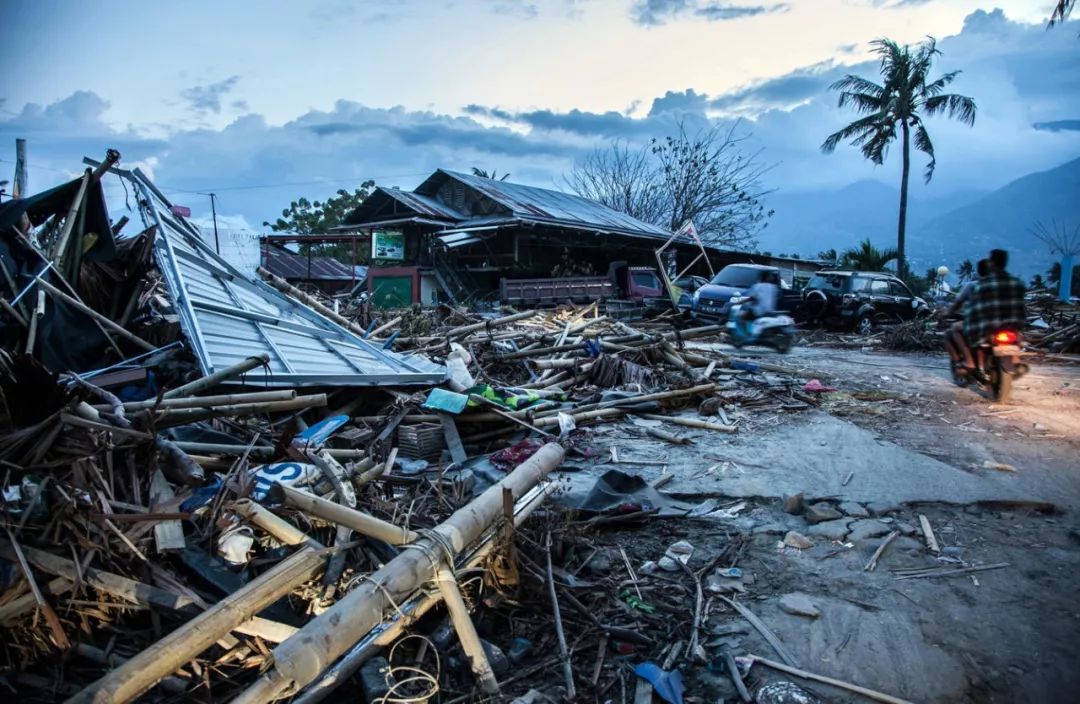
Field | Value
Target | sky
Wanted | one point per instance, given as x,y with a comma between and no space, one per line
263,102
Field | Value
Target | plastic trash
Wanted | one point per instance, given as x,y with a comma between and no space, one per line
234,545
745,366
677,552
457,368
519,650
668,685
815,386
284,473
566,423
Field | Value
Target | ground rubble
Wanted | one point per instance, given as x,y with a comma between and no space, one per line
585,508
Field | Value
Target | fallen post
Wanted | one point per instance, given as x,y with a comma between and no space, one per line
872,694
216,378
301,659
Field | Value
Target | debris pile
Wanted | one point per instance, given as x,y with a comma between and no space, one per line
215,486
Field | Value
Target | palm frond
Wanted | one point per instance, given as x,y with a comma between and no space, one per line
858,131
863,103
958,107
935,88
924,145
1061,12
857,84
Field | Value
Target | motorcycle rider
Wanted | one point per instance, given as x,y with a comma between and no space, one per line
954,337
996,303
763,296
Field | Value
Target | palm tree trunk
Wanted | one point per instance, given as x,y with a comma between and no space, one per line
901,263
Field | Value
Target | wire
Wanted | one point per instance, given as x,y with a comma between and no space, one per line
416,675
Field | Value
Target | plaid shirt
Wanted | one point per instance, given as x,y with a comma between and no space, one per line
997,302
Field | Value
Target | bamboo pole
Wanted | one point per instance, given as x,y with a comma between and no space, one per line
83,308
35,318
301,659
488,324
385,326
419,604
281,530
310,301
870,693
360,522
162,658
692,423
204,401
180,416
62,240
466,631
216,378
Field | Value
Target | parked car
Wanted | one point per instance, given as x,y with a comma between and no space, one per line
859,300
688,285
712,301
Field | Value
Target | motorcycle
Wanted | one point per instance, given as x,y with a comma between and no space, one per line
999,360
775,330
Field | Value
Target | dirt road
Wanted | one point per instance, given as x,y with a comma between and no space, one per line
895,440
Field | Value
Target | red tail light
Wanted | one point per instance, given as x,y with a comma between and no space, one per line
1005,337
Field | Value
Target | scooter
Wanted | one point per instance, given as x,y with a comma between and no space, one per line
775,330
1000,364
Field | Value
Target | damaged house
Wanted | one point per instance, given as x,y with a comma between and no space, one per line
456,236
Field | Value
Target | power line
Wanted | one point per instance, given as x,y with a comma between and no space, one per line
204,189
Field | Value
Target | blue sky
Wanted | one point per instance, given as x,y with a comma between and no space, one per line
263,102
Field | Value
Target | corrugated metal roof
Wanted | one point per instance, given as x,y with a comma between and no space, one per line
228,317
555,207
297,267
422,204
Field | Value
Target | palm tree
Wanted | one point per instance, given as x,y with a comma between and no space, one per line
483,173
867,257
902,100
829,256
1061,11
965,271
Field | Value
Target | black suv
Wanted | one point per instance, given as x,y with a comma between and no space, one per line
859,300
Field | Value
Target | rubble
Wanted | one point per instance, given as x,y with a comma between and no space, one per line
208,474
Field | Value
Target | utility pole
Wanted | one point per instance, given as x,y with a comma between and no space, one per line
20,186
213,211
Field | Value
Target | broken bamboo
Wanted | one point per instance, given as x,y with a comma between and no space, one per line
301,659
206,382
362,523
87,310
146,669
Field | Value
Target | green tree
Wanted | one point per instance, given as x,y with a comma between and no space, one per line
899,104
966,271
867,257
483,173
829,256
1037,282
304,217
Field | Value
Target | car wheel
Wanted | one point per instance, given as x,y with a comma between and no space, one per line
864,325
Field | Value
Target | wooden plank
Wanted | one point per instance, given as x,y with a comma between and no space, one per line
168,535
453,438
122,587
928,534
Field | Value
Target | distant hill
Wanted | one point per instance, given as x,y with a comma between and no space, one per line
943,230
806,223
1003,218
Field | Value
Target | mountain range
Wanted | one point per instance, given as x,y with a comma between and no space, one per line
943,230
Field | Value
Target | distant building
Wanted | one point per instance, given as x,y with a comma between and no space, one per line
456,235
312,271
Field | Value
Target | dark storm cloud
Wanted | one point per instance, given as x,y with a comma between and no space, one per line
656,12
207,98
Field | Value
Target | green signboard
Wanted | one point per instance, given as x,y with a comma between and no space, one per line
388,245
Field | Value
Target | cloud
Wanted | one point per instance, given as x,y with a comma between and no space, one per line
717,12
657,12
1058,126
1025,80
515,8
893,4
207,98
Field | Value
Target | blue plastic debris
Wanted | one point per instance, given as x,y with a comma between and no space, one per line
668,685
320,432
745,366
